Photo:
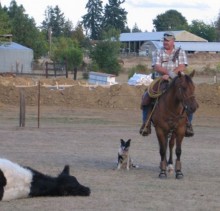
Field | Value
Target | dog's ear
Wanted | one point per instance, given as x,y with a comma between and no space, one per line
128,143
66,170
122,141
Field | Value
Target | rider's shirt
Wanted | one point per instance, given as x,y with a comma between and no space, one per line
160,57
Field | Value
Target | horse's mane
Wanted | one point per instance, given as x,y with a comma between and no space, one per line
187,79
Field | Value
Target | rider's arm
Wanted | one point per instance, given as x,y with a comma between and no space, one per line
158,68
156,62
181,64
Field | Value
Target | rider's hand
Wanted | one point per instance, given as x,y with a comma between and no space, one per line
165,77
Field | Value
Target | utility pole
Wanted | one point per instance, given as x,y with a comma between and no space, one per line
50,39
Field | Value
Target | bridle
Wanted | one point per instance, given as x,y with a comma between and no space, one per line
184,98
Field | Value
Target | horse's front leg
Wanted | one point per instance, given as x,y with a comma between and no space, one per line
170,167
179,174
162,139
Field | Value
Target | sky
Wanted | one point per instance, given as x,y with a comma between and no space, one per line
140,12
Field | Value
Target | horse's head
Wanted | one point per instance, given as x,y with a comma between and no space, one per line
186,91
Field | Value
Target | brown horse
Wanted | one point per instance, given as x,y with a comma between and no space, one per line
170,117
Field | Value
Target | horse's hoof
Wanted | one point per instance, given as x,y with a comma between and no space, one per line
179,175
163,175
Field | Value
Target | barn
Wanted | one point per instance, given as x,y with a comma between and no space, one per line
143,43
15,58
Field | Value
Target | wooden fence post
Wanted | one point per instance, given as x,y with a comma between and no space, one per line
66,69
46,69
22,109
38,113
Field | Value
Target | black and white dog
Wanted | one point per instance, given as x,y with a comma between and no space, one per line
22,182
124,159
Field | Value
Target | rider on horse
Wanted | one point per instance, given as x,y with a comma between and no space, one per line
166,63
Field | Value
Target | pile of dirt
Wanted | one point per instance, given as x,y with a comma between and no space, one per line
78,94
208,94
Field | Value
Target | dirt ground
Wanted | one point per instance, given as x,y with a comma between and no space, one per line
82,126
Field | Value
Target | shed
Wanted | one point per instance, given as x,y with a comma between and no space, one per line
101,78
15,58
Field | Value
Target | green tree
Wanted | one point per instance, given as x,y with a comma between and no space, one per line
115,16
105,54
78,34
93,19
24,30
67,29
217,27
203,30
55,21
67,49
135,28
5,27
170,20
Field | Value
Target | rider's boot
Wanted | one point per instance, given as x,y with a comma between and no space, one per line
145,129
189,130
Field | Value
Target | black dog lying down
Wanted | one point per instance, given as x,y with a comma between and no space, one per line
22,182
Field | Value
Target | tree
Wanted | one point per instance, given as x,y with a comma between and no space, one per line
105,54
170,20
5,27
55,20
217,26
67,28
24,30
115,16
135,28
93,19
67,49
203,30
77,34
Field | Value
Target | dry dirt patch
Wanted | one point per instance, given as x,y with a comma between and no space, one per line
88,140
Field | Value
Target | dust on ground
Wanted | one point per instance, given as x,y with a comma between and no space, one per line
88,140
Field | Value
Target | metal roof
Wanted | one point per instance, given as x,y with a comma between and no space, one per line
157,36
141,36
12,46
194,46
